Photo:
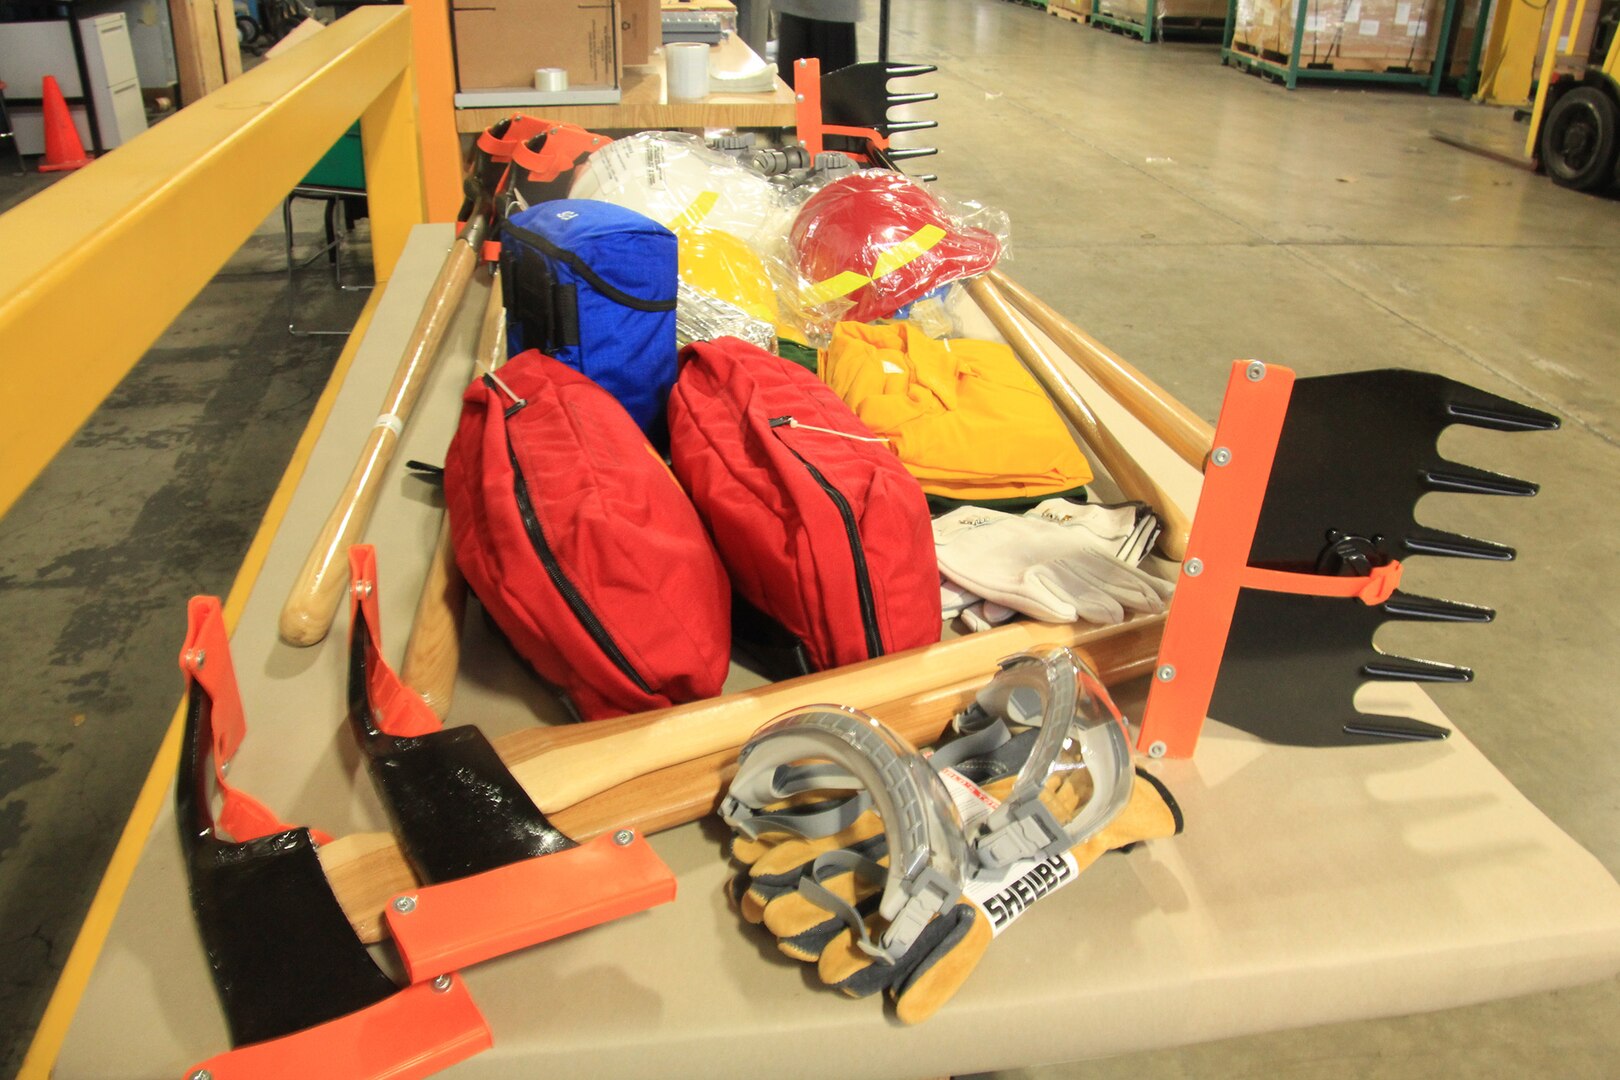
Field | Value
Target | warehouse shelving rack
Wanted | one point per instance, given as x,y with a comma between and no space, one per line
1291,72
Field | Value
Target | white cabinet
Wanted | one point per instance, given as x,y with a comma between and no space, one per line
30,51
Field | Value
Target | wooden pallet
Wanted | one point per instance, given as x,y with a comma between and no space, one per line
1067,15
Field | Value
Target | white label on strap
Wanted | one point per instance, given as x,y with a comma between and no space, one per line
971,801
1004,895
392,423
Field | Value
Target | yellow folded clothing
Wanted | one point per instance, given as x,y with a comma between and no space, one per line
964,416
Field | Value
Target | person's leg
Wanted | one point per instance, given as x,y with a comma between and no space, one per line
792,42
833,43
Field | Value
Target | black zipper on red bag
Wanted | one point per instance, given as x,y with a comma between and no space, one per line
863,577
570,593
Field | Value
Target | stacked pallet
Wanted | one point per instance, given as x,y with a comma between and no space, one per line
1168,14
1071,10
1342,35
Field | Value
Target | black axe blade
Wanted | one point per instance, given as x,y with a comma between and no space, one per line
301,994
456,809
1356,453
283,954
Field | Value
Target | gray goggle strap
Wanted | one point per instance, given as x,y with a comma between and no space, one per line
1041,688
741,808
927,851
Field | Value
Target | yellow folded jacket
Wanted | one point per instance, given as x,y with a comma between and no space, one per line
965,417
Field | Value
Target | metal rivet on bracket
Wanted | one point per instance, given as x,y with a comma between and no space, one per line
1166,672
799,98
1193,567
201,1074
405,905
1221,456
441,984
1158,749
1255,371
362,589
196,657
623,837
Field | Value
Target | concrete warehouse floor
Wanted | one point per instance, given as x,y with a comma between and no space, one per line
1184,214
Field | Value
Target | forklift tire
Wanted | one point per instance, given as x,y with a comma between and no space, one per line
1580,138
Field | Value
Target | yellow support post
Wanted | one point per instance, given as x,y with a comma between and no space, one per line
395,195
98,265
436,92
1509,64
1544,83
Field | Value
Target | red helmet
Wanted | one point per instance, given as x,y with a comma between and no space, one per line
880,239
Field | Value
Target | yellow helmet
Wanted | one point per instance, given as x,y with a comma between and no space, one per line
723,266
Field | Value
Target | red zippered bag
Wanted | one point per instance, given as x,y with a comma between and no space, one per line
581,545
819,525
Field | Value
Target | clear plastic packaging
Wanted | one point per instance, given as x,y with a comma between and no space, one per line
731,223
878,240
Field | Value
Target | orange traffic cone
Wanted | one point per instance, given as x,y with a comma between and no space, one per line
63,150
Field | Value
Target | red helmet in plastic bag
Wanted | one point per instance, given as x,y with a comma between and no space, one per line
881,240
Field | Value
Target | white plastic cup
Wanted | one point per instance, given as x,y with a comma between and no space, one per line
550,79
686,70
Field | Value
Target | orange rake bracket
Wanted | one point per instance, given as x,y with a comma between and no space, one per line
1235,479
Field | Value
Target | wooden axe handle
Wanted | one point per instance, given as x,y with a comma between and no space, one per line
1132,479
1177,426
433,653
558,774
367,870
319,587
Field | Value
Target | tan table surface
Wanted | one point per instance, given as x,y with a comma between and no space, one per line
643,103
1310,885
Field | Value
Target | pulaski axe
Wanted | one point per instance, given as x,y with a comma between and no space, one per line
1294,559
301,995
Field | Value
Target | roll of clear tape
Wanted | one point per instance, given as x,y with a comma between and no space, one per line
686,70
550,79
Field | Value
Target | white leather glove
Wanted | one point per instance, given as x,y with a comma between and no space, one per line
1041,568
1124,532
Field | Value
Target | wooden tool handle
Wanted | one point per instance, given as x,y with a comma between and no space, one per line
1132,479
433,653
318,589
367,870
691,790
560,775
1177,426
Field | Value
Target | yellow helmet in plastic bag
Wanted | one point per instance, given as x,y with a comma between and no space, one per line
721,265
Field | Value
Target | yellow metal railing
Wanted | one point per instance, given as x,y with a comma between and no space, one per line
95,268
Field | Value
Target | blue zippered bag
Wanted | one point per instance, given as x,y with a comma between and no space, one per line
593,285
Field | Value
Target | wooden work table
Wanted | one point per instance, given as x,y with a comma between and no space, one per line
1310,886
644,104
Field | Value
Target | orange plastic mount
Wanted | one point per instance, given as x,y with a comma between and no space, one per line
1222,533
448,926
414,1033
807,107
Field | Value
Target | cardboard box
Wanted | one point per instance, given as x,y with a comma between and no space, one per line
640,31
1136,10
1354,35
500,43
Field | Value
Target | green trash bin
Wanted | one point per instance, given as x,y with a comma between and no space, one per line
343,166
